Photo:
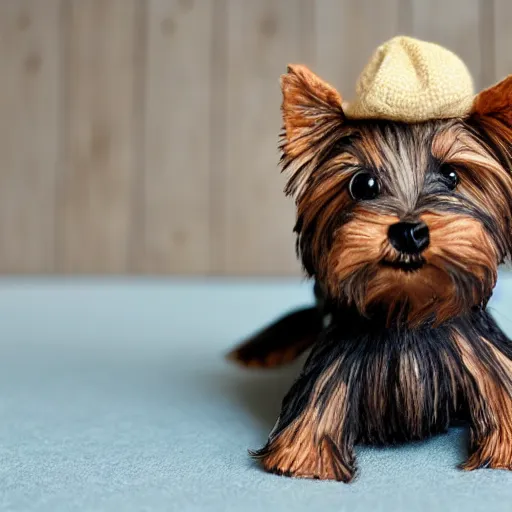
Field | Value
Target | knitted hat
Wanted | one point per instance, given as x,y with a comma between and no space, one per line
411,80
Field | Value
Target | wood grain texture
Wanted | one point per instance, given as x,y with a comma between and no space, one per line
347,34
454,24
140,136
95,196
502,38
218,137
177,125
29,133
488,42
263,37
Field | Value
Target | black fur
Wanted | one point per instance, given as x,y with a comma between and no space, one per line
365,346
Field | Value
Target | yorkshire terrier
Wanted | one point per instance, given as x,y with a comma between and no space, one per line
402,226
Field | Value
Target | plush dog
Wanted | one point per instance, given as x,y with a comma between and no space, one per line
404,212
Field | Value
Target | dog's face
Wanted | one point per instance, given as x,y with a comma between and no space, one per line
412,219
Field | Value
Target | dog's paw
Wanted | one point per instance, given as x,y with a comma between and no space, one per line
325,462
490,455
476,462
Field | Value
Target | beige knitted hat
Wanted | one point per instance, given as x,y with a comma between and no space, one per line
412,81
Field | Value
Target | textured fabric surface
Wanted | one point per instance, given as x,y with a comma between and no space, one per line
114,396
411,80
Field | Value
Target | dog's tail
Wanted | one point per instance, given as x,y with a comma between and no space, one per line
286,339
281,342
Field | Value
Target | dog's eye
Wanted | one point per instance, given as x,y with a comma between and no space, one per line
364,186
450,176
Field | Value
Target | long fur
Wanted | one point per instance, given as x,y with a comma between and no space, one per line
407,349
383,386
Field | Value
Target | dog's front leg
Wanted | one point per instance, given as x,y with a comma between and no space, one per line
312,438
489,394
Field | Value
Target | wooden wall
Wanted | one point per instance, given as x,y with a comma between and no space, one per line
140,136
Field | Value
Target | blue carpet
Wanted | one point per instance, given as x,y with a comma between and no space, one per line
114,396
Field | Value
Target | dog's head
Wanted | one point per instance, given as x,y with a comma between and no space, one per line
409,219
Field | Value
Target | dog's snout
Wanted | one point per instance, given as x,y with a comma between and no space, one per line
409,237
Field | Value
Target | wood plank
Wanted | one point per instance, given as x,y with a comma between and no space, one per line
487,44
177,149
29,133
455,25
502,39
263,37
217,135
95,195
347,33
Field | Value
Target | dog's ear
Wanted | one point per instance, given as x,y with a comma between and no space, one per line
492,118
496,102
310,106
312,112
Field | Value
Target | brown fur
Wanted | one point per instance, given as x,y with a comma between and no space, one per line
492,438
457,241
281,342
310,447
410,345
344,244
496,101
311,111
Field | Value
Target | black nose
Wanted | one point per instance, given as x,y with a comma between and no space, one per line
409,237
